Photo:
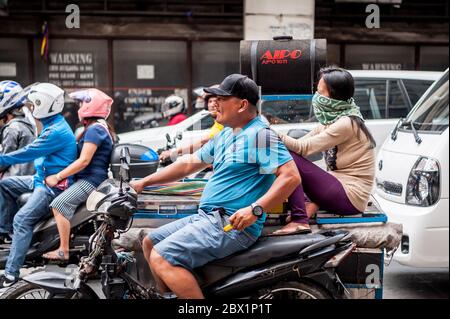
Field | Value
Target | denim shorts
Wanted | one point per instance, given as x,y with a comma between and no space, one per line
194,241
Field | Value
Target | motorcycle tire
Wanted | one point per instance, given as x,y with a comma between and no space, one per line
294,290
26,290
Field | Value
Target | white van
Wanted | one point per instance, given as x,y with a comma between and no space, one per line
383,97
412,179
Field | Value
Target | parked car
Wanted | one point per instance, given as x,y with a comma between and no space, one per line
383,96
413,179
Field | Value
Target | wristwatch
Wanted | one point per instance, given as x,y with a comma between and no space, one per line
257,210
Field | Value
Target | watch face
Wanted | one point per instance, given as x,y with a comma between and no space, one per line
258,211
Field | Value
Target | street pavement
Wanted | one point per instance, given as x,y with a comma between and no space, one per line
402,282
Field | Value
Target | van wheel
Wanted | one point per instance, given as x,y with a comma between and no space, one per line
294,290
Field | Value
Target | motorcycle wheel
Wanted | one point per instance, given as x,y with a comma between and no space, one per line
294,290
26,290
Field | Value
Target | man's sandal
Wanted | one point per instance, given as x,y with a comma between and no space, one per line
297,231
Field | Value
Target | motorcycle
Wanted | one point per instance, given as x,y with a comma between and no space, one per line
275,267
82,226
46,238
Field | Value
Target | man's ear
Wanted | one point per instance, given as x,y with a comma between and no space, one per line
244,106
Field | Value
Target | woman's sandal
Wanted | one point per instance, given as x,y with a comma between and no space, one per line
55,256
300,229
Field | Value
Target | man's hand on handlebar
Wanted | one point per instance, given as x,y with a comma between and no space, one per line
138,186
164,156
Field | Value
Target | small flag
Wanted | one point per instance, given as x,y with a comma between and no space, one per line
44,41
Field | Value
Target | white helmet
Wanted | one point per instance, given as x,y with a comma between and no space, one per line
9,97
173,104
47,99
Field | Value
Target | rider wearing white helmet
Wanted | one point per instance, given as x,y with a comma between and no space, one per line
17,131
173,108
211,104
53,150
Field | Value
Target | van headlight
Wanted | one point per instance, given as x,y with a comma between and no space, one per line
423,183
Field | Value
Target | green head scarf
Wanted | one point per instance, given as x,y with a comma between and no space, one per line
329,110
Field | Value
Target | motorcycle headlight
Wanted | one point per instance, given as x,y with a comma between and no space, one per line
105,189
423,183
93,200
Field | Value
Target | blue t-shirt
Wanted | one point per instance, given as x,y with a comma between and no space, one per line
97,171
244,166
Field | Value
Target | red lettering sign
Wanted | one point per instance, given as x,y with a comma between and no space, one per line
280,56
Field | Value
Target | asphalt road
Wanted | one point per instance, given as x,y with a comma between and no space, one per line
402,282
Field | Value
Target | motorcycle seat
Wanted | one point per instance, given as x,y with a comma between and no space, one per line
265,249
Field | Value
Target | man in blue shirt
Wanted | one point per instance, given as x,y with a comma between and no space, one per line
253,172
52,151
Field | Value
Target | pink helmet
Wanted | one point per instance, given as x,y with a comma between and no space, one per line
94,103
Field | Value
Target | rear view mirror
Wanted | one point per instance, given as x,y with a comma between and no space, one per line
125,159
168,138
125,155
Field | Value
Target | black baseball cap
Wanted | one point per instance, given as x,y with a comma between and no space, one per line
237,85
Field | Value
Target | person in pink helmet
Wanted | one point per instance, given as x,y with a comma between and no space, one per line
95,145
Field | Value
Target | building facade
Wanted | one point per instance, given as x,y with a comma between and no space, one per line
142,51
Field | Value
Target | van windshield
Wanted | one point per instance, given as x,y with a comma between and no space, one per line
431,114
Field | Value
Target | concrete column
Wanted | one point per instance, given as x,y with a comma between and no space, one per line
264,19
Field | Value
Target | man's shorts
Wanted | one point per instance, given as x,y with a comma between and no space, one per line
194,241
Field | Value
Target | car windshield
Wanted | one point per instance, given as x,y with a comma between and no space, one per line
432,113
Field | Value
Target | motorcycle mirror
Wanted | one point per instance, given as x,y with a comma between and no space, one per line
124,172
125,155
125,160
168,138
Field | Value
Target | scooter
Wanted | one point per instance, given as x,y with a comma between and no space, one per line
276,267
46,238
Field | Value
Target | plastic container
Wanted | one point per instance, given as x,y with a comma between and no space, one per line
144,161
283,65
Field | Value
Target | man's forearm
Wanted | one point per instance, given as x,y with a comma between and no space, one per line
176,171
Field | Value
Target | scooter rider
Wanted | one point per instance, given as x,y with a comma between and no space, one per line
52,151
173,108
348,145
17,131
253,171
91,168
211,102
